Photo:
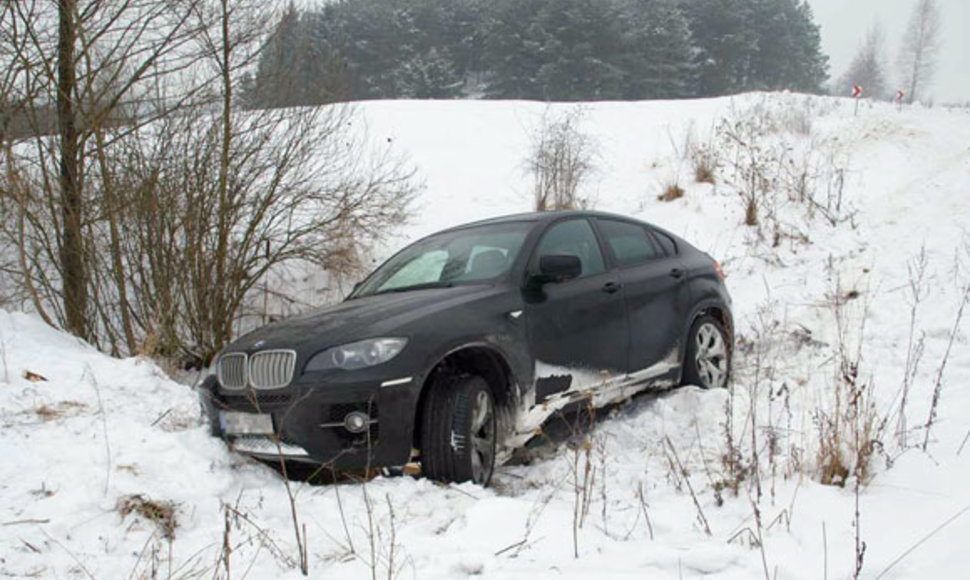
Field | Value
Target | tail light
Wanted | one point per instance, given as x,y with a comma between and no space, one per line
718,270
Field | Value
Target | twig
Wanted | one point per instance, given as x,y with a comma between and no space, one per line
860,545
643,507
19,522
922,540
69,553
938,387
3,358
686,477
300,540
825,553
104,425
141,554
162,416
226,543
265,538
390,557
761,540
960,450
340,510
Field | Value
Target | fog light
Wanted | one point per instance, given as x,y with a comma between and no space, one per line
356,422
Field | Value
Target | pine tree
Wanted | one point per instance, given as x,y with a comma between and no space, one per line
813,70
726,44
430,75
657,54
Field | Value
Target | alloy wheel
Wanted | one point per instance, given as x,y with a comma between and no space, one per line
711,356
483,437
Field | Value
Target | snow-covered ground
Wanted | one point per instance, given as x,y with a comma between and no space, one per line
79,445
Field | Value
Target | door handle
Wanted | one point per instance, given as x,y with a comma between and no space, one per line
612,287
677,273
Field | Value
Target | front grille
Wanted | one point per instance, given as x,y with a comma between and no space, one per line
272,369
269,369
232,370
252,398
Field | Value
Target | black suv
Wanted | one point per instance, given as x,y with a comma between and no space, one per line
457,349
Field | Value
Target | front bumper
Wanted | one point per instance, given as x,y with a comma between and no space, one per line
308,421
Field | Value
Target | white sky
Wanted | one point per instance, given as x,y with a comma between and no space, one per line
845,22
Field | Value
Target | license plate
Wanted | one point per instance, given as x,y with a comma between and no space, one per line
233,423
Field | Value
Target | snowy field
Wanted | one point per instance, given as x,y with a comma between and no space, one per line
682,484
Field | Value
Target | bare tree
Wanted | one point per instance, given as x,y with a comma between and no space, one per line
560,161
185,203
917,56
102,53
867,68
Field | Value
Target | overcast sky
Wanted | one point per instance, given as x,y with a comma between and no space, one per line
845,22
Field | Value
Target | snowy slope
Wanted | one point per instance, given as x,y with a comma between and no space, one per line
99,430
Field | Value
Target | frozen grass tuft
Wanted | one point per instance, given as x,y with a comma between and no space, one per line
160,513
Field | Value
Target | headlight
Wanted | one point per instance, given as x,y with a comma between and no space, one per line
357,355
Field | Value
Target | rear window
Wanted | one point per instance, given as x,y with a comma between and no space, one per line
666,242
629,243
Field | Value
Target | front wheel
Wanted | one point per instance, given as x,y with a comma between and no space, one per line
707,362
458,430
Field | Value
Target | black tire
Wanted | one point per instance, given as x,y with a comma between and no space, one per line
707,361
453,447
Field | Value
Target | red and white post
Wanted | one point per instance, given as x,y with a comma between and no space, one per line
856,94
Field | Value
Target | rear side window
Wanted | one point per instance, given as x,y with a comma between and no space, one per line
666,242
574,238
629,243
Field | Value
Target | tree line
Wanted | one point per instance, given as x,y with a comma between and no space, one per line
537,49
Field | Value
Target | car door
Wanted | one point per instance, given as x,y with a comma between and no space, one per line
654,289
577,323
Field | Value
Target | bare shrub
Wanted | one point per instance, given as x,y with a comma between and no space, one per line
704,161
848,425
561,160
779,172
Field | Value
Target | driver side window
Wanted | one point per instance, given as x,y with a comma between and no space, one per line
574,238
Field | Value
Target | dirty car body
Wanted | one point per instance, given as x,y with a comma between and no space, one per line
461,345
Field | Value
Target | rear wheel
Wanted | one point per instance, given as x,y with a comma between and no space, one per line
707,362
458,430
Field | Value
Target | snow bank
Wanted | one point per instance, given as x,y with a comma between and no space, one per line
98,430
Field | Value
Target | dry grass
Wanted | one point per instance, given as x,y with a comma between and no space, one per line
704,173
751,212
160,513
671,192
59,410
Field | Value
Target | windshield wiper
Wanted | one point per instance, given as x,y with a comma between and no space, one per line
424,286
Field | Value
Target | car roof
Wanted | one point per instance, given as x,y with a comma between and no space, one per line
541,216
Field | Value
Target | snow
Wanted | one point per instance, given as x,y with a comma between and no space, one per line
99,429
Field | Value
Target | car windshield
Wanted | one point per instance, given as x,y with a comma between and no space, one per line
468,255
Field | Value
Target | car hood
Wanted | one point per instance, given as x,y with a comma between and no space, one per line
360,318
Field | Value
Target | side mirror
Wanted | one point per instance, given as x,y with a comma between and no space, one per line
559,268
